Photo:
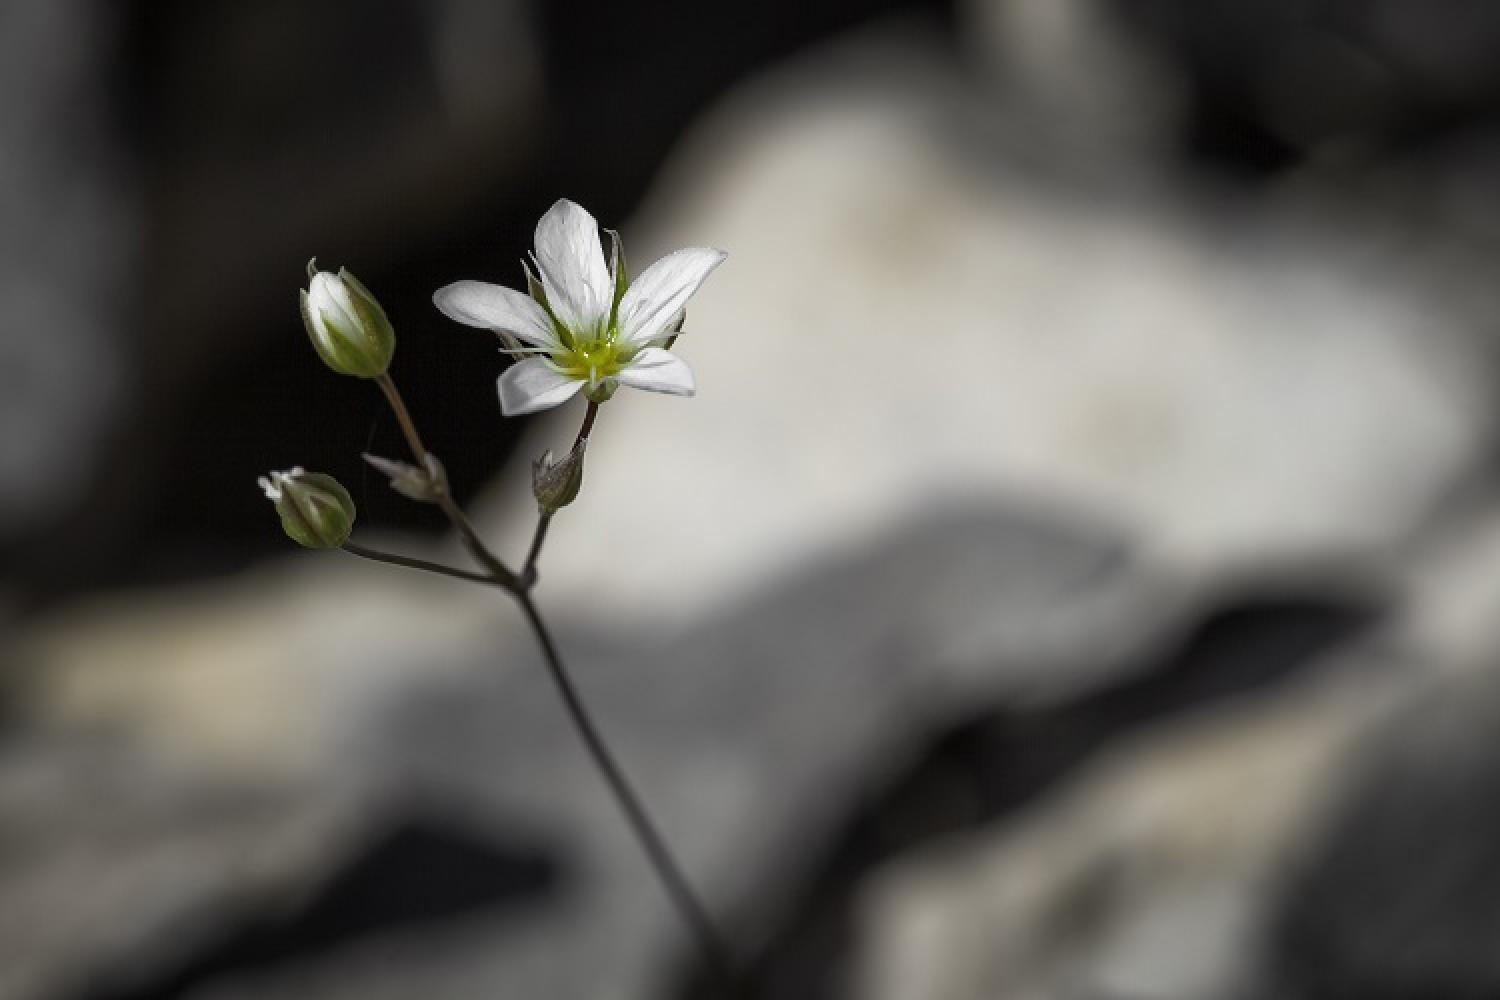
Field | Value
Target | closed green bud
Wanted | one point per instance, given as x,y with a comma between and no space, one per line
347,327
556,484
315,510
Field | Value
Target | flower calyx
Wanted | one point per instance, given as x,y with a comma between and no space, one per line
555,483
427,484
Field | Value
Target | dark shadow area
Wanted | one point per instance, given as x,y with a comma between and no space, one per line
420,874
628,77
994,764
1273,85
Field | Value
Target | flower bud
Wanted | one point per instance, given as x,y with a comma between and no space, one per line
315,510
348,328
419,484
556,484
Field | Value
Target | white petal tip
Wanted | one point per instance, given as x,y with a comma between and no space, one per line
658,370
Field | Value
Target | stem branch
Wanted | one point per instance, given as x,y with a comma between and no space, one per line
375,555
679,890
528,572
455,514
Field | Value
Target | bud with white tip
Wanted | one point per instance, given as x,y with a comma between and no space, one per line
316,512
348,328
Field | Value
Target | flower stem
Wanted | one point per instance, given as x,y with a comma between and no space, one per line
544,521
455,514
403,417
589,416
678,889
375,555
528,572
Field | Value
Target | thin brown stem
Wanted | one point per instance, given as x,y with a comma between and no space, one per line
679,890
544,520
403,417
473,542
528,572
409,562
589,416
449,506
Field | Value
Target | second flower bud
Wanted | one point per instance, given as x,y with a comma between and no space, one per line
348,328
555,483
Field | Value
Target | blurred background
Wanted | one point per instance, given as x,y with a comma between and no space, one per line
1078,577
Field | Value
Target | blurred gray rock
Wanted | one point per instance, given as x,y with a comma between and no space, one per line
750,735
1333,836
1147,877
1333,839
1398,897
1121,119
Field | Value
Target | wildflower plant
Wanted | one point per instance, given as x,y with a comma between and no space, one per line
582,327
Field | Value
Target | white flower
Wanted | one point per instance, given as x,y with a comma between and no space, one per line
583,327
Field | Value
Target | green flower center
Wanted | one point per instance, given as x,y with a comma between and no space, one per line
593,360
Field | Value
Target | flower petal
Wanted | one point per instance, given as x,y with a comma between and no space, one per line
532,385
653,299
329,299
317,326
579,288
495,307
658,370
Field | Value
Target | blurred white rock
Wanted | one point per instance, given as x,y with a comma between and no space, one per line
906,318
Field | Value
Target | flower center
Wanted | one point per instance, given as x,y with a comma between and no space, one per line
592,360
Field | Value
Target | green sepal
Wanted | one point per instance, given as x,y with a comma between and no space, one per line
316,511
556,484
538,292
621,271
